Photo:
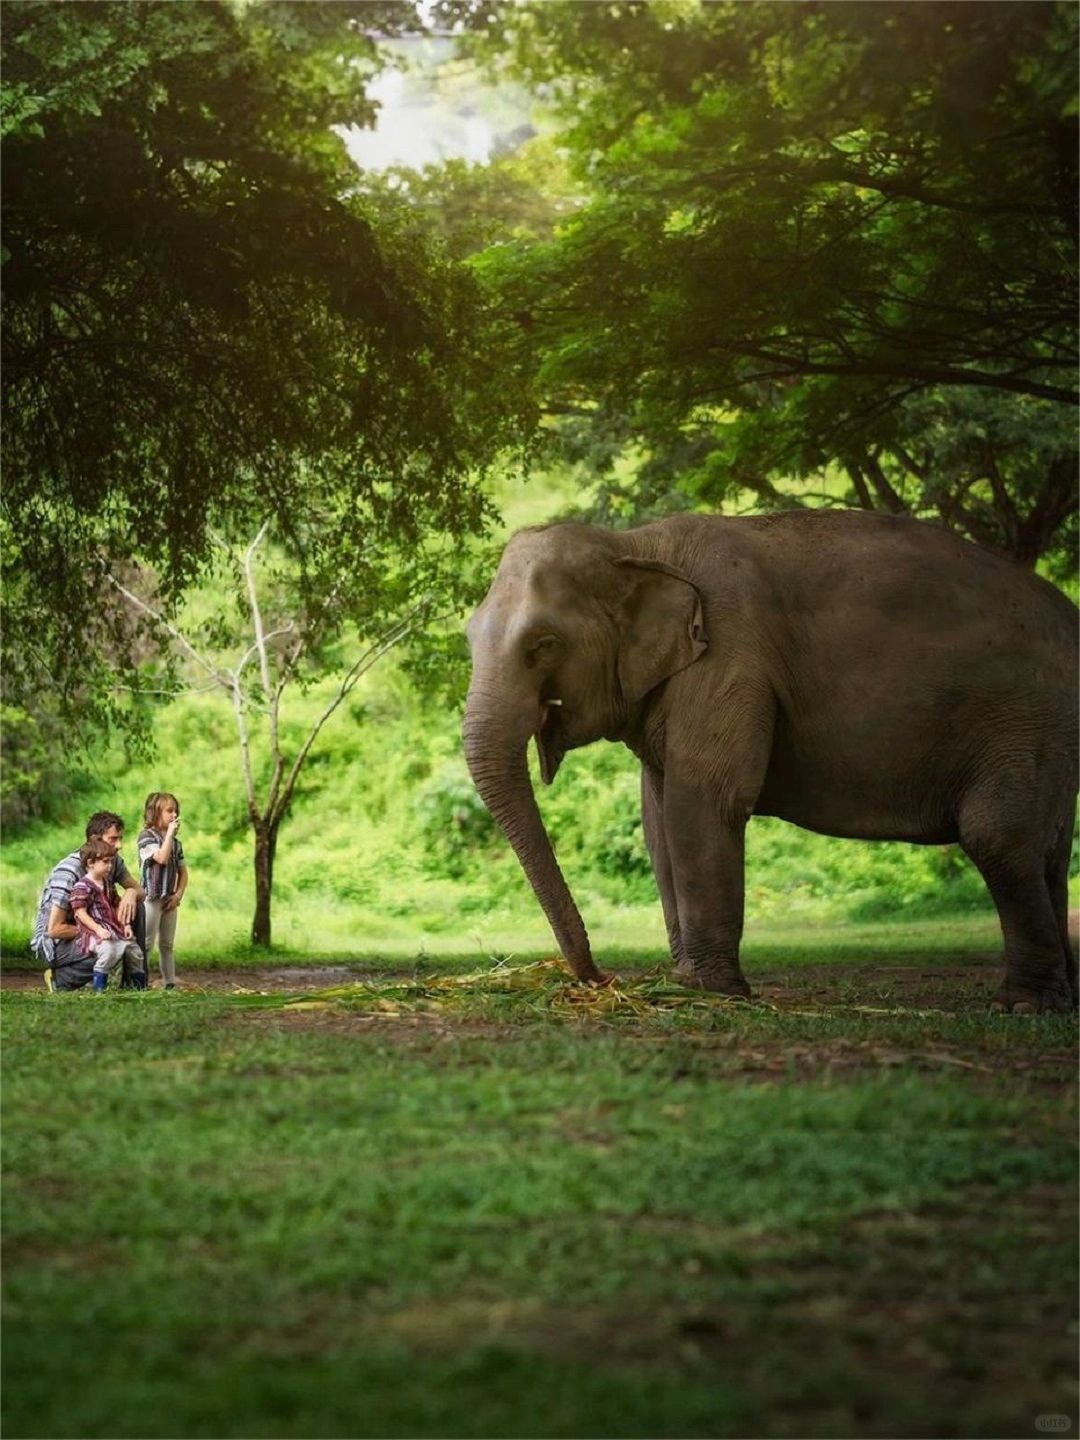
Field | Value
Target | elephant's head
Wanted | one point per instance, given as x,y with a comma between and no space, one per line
574,633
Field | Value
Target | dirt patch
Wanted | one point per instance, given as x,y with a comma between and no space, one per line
844,982
865,990
967,983
275,980
743,1053
724,1056
91,1257
955,986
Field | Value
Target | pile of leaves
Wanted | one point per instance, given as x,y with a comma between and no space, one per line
541,986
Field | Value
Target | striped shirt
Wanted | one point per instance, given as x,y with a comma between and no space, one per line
159,880
57,893
100,905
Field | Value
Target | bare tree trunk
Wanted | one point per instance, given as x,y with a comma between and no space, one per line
265,847
1054,504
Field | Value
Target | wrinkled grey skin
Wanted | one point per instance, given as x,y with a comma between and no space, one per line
859,675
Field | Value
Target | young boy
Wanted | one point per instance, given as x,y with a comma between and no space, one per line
100,931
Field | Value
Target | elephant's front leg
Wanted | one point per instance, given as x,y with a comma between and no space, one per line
652,823
705,835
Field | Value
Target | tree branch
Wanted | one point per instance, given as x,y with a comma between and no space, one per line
890,499
862,491
927,374
222,678
256,612
386,642
245,752
892,186
921,472
253,649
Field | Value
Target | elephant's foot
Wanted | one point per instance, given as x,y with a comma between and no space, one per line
593,977
585,971
721,981
1017,998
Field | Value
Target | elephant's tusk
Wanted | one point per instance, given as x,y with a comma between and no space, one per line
552,702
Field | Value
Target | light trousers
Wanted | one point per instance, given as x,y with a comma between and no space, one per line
161,931
108,954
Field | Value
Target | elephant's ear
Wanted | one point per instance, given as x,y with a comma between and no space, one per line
662,630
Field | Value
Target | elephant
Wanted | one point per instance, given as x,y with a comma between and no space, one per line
863,675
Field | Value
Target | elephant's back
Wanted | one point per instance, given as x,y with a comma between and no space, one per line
898,636
906,576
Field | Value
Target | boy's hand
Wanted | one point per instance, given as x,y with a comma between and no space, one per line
129,933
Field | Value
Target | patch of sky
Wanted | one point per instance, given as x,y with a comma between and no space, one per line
435,107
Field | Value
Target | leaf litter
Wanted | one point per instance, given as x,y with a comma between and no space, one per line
545,987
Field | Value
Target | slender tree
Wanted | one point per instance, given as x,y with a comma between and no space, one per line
279,643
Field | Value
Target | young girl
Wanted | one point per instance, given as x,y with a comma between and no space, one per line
164,877
100,931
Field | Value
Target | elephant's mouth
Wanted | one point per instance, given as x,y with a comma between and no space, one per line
549,742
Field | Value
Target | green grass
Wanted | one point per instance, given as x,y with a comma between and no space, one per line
496,1209
623,936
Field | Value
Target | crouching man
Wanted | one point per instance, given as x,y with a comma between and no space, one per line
55,943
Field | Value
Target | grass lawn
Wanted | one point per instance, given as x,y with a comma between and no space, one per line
497,1208
624,934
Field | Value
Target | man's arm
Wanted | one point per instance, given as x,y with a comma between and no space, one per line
130,899
56,899
59,926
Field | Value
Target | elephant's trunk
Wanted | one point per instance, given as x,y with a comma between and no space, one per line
495,750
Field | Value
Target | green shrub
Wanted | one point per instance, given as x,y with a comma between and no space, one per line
454,822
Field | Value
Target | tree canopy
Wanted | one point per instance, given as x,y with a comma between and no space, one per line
207,323
817,233
820,242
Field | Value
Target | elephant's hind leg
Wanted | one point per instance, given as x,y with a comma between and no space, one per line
1010,850
1057,879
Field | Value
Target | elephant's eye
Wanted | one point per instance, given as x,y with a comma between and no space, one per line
539,648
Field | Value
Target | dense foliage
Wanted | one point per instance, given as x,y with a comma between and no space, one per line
818,235
206,323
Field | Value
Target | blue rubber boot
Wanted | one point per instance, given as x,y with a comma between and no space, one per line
101,982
